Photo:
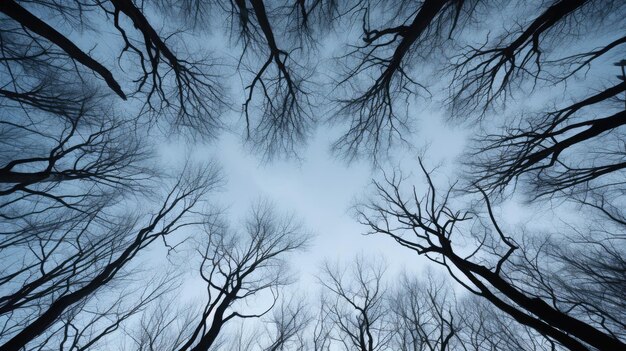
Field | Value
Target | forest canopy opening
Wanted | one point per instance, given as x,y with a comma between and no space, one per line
190,175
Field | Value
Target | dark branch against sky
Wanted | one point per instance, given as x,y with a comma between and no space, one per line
312,175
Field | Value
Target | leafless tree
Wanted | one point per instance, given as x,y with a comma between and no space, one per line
169,85
491,268
425,315
72,168
552,151
357,309
57,132
87,325
273,65
549,152
375,109
57,273
241,266
490,71
480,66
277,105
486,329
286,328
163,326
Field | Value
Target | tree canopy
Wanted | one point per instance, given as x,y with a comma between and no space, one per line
101,234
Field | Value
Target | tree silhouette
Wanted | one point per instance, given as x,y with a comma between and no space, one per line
426,315
512,274
93,92
358,310
182,91
236,267
70,264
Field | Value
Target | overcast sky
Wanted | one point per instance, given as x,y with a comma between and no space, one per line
321,189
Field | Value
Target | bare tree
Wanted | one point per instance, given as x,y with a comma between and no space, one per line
238,267
549,151
429,226
72,168
182,90
486,329
163,326
57,281
321,334
65,154
490,71
426,316
56,132
32,23
568,149
358,309
277,89
374,110
86,325
541,44
285,330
